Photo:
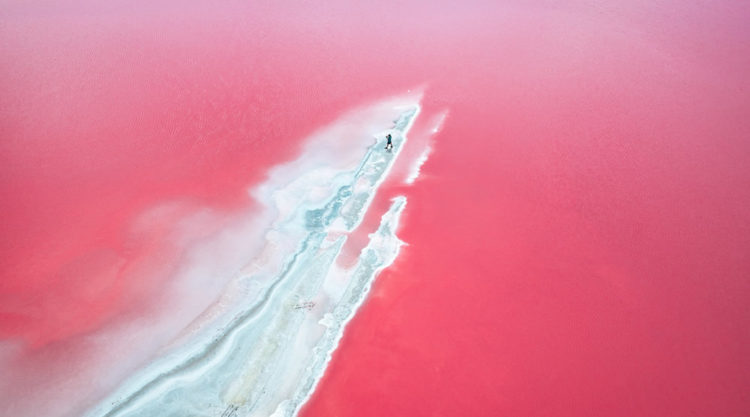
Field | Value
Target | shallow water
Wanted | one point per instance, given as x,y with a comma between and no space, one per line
575,239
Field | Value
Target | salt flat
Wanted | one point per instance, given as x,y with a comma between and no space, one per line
262,347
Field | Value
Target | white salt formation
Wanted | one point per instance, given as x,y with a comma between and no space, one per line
262,348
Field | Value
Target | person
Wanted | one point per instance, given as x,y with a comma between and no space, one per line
389,143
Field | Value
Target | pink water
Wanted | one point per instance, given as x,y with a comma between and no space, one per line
578,238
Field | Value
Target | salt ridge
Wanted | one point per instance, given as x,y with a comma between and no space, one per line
279,320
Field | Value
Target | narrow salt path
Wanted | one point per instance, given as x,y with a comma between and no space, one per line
265,344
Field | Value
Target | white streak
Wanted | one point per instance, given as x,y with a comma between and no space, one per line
261,346
417,165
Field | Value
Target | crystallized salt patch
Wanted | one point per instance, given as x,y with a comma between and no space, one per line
264,346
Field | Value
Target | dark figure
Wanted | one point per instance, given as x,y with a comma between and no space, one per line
389,143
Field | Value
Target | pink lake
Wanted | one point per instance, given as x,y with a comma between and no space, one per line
576,242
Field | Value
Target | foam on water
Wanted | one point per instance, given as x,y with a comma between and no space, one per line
417,166
261,348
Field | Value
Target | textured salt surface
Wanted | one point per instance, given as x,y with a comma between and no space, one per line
283,314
